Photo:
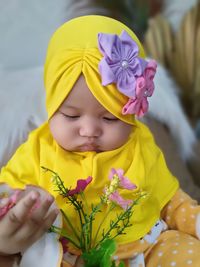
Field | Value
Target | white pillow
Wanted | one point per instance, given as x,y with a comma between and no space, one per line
25,29
22,102
166,107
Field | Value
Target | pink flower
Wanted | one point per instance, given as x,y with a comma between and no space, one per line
124,203
80,186
144,88
123,181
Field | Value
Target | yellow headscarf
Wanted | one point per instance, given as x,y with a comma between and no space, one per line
73,50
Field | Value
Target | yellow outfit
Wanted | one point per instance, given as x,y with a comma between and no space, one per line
139,157
72,51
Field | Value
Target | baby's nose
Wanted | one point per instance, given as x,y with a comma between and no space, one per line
90,128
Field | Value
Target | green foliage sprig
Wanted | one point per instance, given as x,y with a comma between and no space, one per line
96,251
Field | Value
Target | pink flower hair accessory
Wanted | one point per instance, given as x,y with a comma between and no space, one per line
122,65
144,88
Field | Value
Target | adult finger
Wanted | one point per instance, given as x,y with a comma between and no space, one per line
4,202
47,223
40,210
17,215
37,218
29,232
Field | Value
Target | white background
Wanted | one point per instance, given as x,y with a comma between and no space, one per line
25,29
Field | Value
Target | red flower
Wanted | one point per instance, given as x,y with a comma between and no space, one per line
64,241
80,186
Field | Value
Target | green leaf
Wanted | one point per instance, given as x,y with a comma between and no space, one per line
101,256
121,264
109,248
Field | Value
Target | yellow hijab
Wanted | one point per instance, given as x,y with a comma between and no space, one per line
72,51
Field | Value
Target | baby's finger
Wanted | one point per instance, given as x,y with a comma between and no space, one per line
18,214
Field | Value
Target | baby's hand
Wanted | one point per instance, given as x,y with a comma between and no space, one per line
25,223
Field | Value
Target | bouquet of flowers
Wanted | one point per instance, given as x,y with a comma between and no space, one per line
96,251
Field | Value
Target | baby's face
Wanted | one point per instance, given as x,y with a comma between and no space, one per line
82,124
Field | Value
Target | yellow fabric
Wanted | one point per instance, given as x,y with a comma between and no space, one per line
173,248
140,158
73,50
181,213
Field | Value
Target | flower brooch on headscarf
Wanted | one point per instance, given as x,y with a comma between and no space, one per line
122,65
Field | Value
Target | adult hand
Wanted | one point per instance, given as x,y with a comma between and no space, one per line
26,222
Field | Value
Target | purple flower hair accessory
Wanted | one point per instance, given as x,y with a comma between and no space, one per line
120,64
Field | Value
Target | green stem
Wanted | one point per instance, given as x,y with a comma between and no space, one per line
85,201
81,215
102,222
90,218
97,208
125,215
110,229
69,223
122,228
59,183
61,232
84,223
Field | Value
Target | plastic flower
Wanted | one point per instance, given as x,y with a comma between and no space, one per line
80,186
96,248
124,203
118,180
120,64
144,88
64,241
123,181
